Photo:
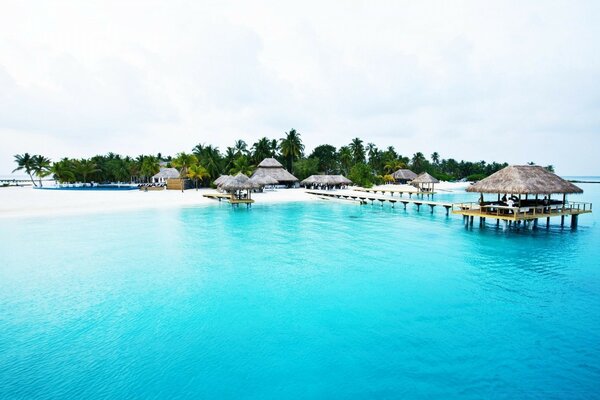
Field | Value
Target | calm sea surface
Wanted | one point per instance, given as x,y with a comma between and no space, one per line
324,300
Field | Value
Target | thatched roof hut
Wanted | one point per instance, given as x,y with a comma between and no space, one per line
425,182
404,175
326,180
238,182
164,174
273,168
221,179
524,179
425,178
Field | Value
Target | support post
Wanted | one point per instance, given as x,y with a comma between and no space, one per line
574,221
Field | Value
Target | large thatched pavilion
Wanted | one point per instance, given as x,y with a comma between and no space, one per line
524,193
273,168
403,176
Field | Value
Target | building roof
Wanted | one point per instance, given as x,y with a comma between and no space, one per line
239,182
524,179
270,163
273,168
425,178
264,180
221,179
326,180
167,173
404,174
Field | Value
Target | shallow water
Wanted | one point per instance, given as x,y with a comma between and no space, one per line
323,300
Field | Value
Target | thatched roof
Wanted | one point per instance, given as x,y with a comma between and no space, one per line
264,180
272,168
524,179
239,182
404,174
270,163
221,179
167,173
326,180
425,178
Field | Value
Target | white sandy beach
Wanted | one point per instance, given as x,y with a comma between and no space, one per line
30,202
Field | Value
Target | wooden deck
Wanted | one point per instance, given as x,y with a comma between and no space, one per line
363,198
400,192
228,197
527,215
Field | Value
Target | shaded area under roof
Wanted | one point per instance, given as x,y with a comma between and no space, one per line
524,179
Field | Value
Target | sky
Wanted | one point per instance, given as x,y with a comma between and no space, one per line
513,81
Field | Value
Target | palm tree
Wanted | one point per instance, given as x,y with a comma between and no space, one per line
418,162
358,150
240,147
345,156
62,171
84,168
393,165
241,164
41,167
149,166
182,162
211,159
291,148
435,158
261,150
197,172
25,163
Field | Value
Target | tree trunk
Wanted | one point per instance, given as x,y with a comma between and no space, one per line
32,181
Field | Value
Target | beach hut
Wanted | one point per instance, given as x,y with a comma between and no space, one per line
425,182
236,186
273,168
164,174
526,192
326,181
221,179
403,176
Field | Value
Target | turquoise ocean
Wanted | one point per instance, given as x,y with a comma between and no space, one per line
298,301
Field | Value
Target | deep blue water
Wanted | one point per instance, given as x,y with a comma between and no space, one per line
324,300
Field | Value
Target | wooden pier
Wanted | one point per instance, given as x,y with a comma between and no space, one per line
363,198
526,216
400,192
229,197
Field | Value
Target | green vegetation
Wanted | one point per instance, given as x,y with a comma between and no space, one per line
365,165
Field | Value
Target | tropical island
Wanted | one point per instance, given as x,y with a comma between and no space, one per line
365,164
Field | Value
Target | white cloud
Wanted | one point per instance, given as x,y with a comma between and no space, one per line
501,81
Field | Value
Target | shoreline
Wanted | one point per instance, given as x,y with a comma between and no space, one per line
24,202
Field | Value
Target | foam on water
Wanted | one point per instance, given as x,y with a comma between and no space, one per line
297,301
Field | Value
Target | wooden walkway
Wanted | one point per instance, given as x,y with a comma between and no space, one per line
229,198
366,198
400,192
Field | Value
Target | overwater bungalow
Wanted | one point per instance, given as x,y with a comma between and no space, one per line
240,189
425,182
403,176
273,168
326,181
523,193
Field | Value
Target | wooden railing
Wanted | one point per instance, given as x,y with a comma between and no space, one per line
524,211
